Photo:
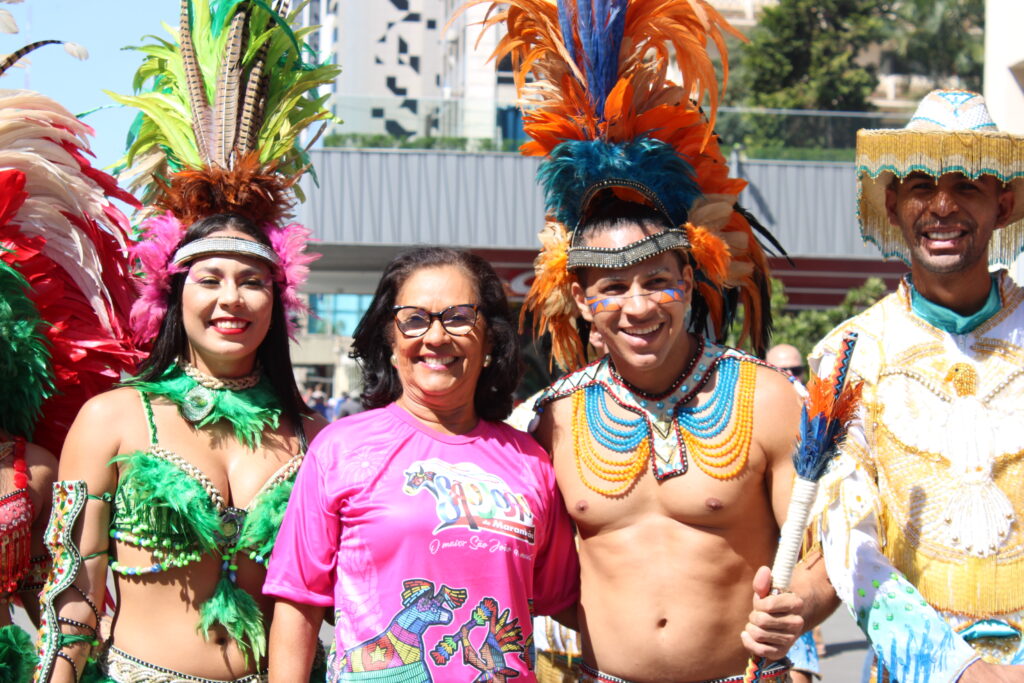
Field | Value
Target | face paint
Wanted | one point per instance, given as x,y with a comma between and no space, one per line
611,304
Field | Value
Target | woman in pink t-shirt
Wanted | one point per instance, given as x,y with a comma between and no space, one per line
434,530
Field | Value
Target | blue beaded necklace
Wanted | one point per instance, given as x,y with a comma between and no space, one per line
662,416
708,421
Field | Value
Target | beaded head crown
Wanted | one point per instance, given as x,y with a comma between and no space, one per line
592,78
951,132
221,111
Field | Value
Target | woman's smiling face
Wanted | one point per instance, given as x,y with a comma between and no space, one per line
226,307
439,370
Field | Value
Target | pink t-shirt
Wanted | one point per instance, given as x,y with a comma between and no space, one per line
435,550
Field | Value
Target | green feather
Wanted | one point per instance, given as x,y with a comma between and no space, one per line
263,522
222,11
17,655
161,92
238,612
25,371
249,411
155,493
93,674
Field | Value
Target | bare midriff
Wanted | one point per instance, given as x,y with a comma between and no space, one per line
157,616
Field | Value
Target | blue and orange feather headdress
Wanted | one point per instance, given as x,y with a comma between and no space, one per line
592,79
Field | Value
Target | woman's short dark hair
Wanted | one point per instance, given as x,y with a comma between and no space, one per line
273,354
372,340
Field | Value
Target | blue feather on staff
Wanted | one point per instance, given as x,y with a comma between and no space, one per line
830,407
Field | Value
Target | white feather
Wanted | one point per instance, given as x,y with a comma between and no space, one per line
77,51
7,22
33,132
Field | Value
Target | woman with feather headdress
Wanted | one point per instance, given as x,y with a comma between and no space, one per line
64,297
176,482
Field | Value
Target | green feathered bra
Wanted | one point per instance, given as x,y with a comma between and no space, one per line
168,506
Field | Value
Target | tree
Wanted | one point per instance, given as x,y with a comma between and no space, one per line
804,329
803,55
942,39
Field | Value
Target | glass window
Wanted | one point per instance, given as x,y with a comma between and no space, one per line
337,314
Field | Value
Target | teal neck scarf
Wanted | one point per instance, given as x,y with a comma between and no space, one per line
951,321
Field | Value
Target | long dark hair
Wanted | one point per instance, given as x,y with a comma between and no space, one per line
273,353
371,344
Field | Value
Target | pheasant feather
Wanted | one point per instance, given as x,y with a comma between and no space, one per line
251,114
199,104
10,60
220,54
226,108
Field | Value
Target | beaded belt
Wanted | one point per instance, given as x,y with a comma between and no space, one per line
123,668
778,672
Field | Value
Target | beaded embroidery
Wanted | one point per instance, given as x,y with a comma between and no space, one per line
121,666
716,435
947,451
15,522
69,498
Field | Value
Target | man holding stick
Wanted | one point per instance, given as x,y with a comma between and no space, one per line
922,534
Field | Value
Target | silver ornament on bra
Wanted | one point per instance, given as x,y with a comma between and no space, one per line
198,403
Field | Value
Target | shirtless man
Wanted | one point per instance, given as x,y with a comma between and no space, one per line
671,538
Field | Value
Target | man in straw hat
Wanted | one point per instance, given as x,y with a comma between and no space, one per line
922,530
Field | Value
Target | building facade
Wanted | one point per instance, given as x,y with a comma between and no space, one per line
408,73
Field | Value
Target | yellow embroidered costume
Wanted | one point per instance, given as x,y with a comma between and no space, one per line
922,525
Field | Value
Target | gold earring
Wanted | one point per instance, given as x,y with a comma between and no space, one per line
487,360
394,361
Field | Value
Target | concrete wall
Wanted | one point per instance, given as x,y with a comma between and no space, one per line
1004,63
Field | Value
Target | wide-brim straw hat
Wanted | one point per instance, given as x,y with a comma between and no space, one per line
950,132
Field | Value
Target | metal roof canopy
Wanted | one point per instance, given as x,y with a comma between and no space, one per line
383,200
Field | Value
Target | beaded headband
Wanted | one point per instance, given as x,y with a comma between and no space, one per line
623,257
224,245
581,256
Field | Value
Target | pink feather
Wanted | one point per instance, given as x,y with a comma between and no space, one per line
289,242
160,238
161,235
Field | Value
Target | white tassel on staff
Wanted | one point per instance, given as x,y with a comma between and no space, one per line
804,493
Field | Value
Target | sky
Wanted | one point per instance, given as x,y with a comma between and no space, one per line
103,27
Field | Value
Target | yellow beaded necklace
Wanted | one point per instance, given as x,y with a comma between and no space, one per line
620,473
725,457
716,435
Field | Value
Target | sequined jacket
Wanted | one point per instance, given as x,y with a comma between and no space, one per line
922,509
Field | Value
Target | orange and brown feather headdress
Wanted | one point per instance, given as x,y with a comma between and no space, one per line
597,101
